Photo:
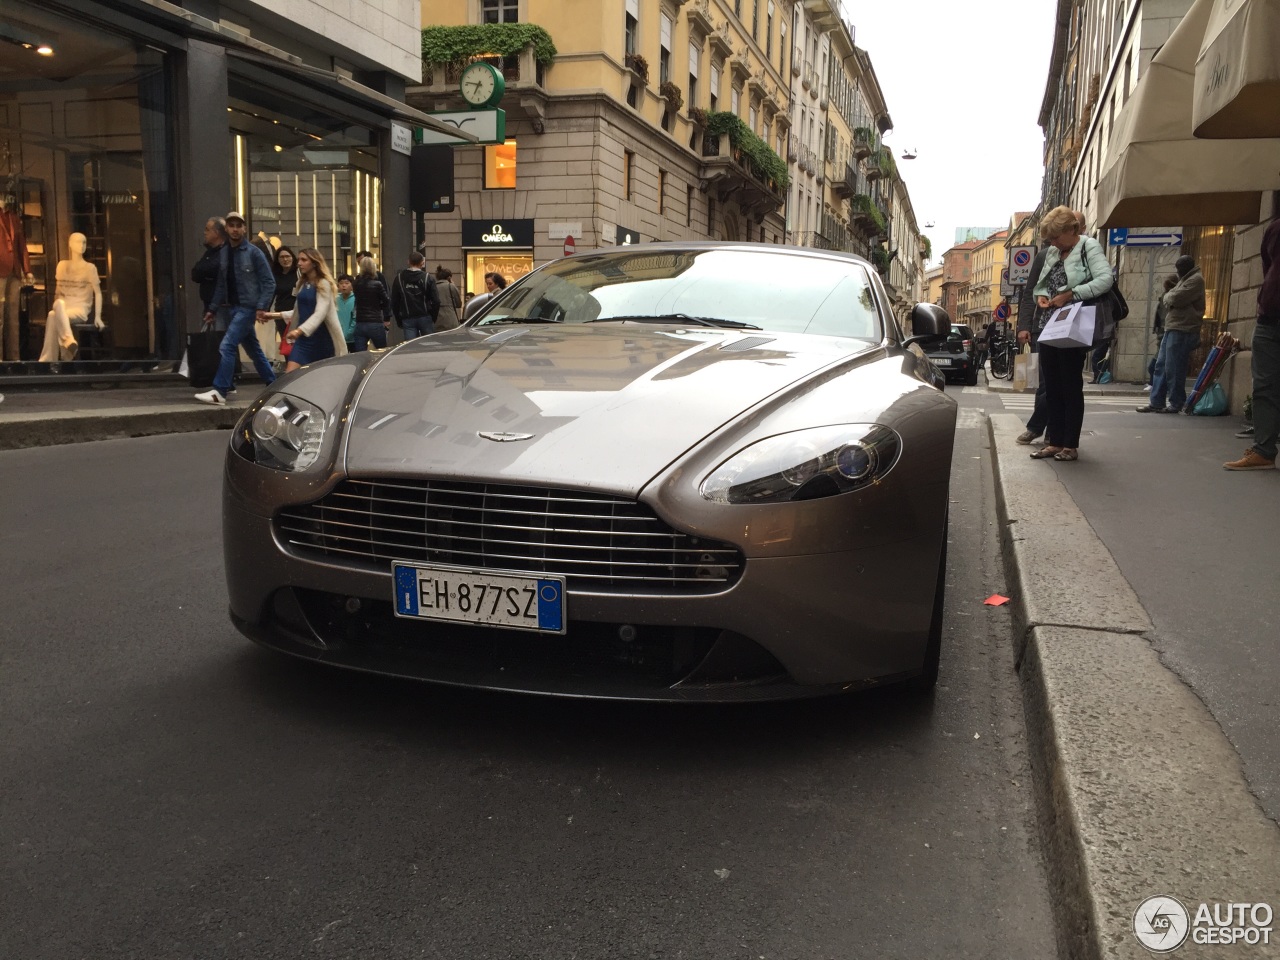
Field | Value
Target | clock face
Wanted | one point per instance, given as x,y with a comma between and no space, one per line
478,84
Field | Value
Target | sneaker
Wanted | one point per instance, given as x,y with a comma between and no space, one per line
1150,409
1027,437
213,397
1245,433
1252,460
1147,388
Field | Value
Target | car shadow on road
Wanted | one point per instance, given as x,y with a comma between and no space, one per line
416,713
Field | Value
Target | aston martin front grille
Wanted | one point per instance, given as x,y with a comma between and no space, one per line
601,543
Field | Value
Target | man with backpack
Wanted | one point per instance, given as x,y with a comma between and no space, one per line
414,298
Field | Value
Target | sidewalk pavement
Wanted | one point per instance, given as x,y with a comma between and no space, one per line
1113,389
57,416
1142,792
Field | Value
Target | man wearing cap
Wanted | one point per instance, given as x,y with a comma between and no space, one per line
1184,312
246,286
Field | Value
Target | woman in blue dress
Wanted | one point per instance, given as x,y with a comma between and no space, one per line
316,332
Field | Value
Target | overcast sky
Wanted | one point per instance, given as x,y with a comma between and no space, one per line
964,83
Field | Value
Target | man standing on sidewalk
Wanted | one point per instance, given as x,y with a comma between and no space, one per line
246,285
1184,313
414,298
1266,362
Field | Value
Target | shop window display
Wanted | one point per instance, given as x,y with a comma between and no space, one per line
307,181
85,176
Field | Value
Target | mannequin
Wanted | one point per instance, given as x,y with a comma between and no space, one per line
79,291
15,270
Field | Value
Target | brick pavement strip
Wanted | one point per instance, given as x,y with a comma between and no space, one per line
1141,793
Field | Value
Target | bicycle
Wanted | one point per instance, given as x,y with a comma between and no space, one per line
1002,352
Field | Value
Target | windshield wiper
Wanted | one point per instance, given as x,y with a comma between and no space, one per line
681,318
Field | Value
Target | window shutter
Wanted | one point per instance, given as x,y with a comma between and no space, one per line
695,54
666,32
633,8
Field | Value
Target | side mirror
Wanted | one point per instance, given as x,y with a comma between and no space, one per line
928,322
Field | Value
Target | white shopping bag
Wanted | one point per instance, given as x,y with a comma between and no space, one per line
183,369
1033,371
1070,326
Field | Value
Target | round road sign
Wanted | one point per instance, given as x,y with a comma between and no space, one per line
568,246
1022,258
1002,312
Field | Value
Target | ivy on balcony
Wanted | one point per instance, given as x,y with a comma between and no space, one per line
863,207
446,45
880,258
766,164
927,247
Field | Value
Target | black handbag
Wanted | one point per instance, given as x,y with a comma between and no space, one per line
203,356
1110,305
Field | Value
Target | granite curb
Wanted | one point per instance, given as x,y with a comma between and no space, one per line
52,428
1141,794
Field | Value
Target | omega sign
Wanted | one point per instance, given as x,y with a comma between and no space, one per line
503,233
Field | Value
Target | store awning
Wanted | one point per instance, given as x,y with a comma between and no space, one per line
1238,72
251,50
1158,174
348,87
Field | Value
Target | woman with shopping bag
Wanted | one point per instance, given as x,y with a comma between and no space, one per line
1069,292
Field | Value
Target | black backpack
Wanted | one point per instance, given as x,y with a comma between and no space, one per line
413,293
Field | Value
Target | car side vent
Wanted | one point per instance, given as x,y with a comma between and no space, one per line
746,343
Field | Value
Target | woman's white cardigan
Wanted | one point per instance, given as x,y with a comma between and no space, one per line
326,312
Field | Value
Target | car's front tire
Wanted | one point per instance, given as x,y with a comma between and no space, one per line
928,678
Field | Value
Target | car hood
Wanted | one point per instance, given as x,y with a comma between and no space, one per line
601,407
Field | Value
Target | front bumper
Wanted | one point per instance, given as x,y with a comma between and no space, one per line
790,626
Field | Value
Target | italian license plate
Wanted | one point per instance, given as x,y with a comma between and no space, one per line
942,363
490,598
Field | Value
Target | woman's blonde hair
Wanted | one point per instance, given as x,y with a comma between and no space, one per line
368,268
1057,222
323,275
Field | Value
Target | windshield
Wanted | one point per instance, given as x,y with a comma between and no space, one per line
775,291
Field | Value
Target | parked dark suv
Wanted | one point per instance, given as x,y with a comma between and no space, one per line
957,356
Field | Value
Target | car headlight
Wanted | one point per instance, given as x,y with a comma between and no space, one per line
284,432
805,465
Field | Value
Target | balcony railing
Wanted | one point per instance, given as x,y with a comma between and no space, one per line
806,75
518,70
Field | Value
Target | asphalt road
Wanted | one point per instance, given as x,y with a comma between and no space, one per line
171,791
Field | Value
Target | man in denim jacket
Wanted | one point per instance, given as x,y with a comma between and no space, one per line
246,285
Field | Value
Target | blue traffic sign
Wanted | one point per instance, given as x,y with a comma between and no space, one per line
1144,237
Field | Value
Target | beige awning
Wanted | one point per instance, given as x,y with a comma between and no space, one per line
1158,174
1238,72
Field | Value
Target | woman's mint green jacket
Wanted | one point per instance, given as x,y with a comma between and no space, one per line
1086,282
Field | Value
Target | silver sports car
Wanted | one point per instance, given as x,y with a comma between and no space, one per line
679,471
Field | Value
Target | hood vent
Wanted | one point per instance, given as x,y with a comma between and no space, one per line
746,343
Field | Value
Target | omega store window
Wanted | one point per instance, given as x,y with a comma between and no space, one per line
496,246
86,199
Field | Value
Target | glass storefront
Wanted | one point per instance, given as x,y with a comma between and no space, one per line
504,247
512,266
86,195
306,180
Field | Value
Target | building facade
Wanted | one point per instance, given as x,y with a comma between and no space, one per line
986,263
1100,50
130,123
650,121
956,271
